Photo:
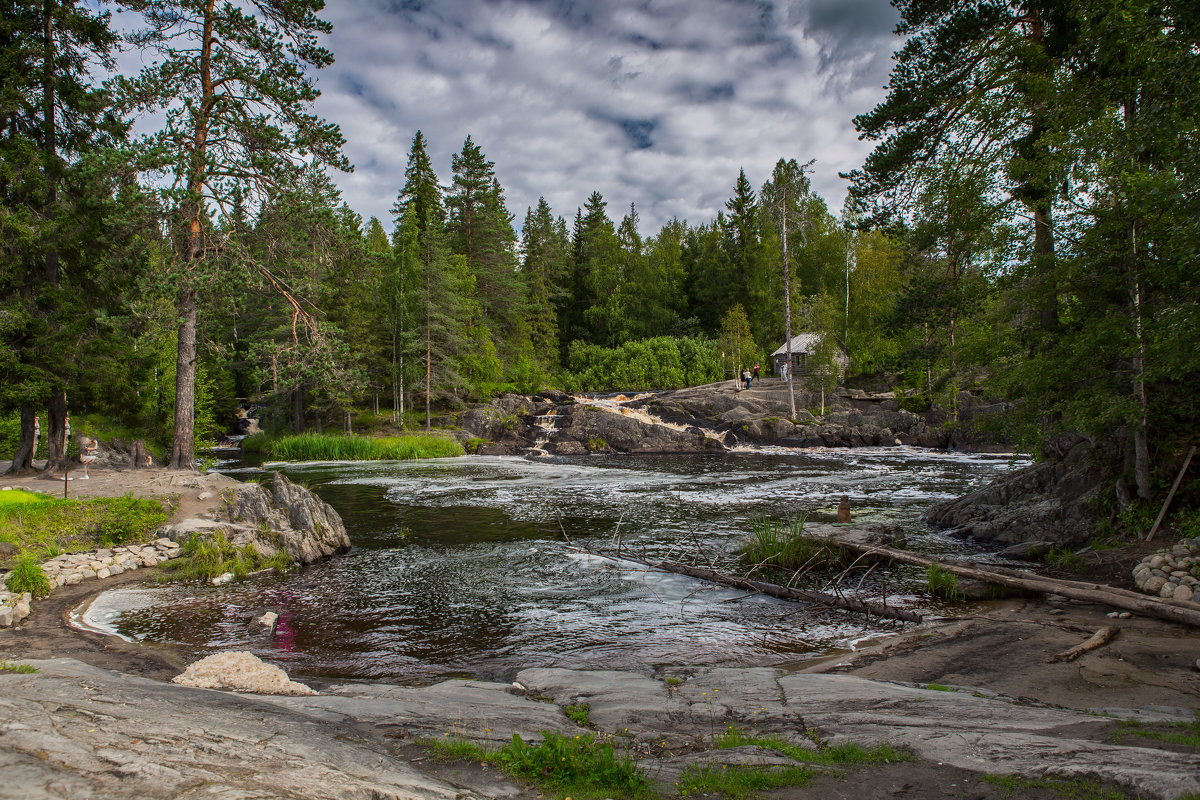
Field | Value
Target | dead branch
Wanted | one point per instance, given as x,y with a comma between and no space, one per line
1097,639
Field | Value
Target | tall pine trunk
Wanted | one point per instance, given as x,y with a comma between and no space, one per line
183,448
56,434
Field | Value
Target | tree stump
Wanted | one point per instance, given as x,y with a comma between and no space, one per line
139,456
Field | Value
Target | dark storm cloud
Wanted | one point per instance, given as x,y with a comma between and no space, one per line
657,102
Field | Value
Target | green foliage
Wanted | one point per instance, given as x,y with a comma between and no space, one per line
579,713
782,545
27,576
941,583
596,445
1186,734
317,447
1065,560
73,525
1072,789
739,782
828,755
937,687
661,363
22,669
206,557
579,767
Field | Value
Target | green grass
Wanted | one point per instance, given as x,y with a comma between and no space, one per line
54,524
1186,734
782,545
739,782
20,497
204,558
941,583
826,755
1064,560
24,669
579,767
27,576
318,447
673,680
579,713
1073,789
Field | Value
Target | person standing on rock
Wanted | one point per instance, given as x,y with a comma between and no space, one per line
756,375
746,377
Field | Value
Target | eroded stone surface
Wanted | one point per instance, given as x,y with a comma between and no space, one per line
239,672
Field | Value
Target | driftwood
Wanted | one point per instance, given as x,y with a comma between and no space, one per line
1098,639
772,589
1187,462
1162,608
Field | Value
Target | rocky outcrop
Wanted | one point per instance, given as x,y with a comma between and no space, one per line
272,517
76,731
1048,501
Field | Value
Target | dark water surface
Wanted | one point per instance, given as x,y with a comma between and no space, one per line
460,566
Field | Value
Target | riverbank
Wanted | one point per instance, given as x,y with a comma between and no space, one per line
1014,713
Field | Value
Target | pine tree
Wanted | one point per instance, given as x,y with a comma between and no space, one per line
546,269
235,85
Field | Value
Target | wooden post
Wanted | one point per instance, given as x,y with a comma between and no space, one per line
65,484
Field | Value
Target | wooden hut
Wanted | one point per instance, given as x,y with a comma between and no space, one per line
804,348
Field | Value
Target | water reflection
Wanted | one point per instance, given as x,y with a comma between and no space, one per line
462,565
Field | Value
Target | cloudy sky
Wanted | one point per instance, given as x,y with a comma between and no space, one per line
657,102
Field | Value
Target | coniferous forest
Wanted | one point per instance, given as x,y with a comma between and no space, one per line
1026,228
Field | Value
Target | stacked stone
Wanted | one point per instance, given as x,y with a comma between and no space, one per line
13,607
1173,573
72,568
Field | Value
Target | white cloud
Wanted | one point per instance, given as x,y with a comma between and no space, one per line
648,101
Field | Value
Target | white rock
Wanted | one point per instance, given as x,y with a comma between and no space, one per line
268,619
73,578
6,616
103,572
240,672
205,495
222,579
149,561
1184,593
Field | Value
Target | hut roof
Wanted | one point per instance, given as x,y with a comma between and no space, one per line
801,343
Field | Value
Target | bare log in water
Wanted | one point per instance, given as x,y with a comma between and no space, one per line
1160,608
772,589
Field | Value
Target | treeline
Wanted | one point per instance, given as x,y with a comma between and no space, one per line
1026,227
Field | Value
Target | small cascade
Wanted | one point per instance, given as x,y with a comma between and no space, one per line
548,423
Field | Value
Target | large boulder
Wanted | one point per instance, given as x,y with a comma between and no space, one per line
240,672
276,516
1047,501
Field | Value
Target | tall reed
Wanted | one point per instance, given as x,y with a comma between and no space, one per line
319,447
783,545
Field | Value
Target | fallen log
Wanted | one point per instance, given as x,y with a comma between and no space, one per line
1097,639
1161,608
772,589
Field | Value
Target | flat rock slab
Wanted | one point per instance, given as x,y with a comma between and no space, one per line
979,734
80,732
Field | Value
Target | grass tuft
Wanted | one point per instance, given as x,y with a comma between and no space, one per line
27,576
739,782
782,544
579,767
1186,734
941,583
579,713
206,557
24,669
828,755
1072,789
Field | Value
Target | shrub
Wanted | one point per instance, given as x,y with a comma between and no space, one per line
27,576
575,766
665,362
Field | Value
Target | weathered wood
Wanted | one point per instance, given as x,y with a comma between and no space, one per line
772,589
1187,462
1162,608
1097,639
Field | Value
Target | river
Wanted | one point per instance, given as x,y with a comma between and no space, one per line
467,567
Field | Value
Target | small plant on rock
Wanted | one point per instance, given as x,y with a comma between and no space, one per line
942,583
27,576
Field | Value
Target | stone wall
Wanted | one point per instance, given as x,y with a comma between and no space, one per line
1171,573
